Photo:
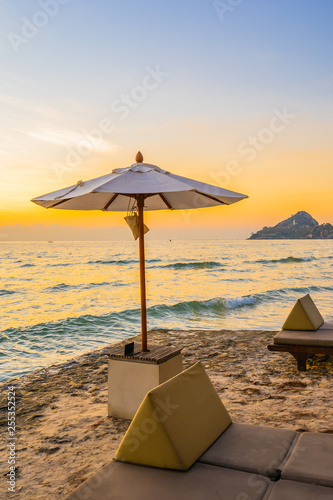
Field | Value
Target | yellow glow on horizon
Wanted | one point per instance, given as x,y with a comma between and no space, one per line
259,210
282,179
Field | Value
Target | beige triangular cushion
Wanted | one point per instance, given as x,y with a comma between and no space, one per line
304,316
176,422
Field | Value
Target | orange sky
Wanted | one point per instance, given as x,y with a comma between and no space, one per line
278,184
278,181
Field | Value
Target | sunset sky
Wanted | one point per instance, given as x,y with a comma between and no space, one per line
237,93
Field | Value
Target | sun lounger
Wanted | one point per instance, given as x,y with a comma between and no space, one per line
302,345
304,333
183,445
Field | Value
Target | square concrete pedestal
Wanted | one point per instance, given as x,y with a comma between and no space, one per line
132,376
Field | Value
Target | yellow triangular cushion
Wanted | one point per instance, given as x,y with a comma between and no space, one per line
304,316
176,422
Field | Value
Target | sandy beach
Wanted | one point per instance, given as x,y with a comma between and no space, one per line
64,434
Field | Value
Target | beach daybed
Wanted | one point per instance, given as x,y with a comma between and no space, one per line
304,333
183,445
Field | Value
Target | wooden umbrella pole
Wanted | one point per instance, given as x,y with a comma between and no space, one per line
144,347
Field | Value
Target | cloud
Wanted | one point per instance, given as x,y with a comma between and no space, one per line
68,138
16,101
28,107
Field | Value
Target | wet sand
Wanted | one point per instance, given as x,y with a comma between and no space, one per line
64,434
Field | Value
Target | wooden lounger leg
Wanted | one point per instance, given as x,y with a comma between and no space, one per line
301,358
301,353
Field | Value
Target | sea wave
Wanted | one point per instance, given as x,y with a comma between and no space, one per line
128,319
63,264
89,330
287,293
193,265
240,302
174,265
220,305
61,287
112,262
121,262
286,260
216,306
104,283
7,292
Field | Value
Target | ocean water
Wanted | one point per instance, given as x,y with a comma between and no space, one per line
63,298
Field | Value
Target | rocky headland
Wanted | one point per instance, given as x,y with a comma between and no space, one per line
300,226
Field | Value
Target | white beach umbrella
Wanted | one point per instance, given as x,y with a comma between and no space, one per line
147,186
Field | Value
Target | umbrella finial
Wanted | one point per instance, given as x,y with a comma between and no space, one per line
139,157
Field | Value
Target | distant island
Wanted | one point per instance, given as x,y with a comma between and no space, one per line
298,227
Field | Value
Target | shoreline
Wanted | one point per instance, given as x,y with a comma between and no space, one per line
61,411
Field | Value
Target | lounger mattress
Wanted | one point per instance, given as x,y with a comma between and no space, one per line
323,337
251,448
123,481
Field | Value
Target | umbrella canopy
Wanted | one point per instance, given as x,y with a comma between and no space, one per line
161,189
150,188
